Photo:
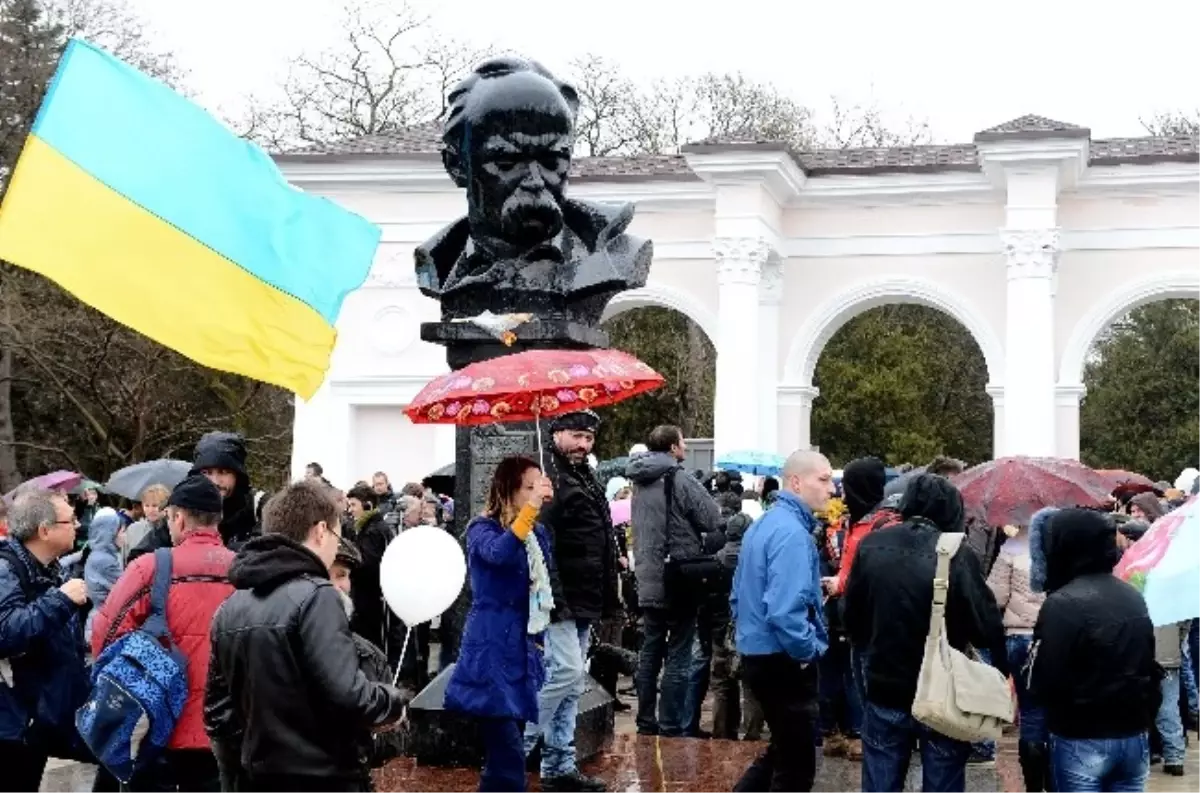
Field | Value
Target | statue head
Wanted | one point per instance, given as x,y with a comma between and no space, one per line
508,136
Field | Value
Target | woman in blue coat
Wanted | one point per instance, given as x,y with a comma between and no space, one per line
500,667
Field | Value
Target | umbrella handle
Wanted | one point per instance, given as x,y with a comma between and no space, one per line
537,423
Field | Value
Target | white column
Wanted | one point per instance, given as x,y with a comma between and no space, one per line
1029,401
1067,399
769,297
997,395
740,262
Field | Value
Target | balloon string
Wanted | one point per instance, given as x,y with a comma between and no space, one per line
400,662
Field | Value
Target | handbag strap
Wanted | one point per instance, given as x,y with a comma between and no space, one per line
156,623
947,545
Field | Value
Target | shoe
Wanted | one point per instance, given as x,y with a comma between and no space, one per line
835,745
703,735
854,752
1155,759
573,781
621,707
979,759
1171,769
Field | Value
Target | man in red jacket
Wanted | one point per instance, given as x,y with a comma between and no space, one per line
199,585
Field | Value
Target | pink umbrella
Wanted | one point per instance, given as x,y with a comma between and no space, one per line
62,481
621,511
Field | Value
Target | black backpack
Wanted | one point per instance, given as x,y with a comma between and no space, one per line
692,579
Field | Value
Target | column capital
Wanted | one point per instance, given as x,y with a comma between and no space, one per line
740,260
1031,253
770,288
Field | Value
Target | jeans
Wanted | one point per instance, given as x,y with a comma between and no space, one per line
1032,718
700,674
1168,722
179,769
1187,672
503,755
787,690
841,707
888,738
1100,764
666,647
558,701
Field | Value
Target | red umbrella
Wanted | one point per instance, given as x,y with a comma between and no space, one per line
1117,477
1011,489
528,386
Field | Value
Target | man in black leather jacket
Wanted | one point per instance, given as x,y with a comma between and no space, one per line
284,682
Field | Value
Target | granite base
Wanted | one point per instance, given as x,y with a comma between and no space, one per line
439,738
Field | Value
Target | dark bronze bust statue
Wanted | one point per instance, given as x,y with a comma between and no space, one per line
524,246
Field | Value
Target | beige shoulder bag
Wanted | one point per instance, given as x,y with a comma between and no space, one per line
957,696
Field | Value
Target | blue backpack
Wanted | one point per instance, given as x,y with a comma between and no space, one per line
139,687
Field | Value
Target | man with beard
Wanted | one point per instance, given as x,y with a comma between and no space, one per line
585,590
524,246
221,456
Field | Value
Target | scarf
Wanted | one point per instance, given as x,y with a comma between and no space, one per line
541,600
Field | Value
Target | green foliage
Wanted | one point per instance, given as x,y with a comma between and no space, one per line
904,383
1142,408
679,351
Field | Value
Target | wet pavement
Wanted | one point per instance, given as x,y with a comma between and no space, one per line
672,766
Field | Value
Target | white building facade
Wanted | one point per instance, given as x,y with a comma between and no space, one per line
1035,237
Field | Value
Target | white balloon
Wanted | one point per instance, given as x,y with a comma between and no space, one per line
421,573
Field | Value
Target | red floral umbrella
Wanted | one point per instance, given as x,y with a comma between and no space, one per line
528,386
1011,489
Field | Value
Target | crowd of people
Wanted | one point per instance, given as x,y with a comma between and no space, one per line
802,604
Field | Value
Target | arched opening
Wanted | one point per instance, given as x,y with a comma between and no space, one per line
679,349
903,382
1141,406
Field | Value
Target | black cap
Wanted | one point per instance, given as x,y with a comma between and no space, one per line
579,421
347,554
196,494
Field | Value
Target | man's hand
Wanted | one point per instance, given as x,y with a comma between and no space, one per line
544,491
76,590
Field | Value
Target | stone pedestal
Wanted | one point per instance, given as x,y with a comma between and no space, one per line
438,738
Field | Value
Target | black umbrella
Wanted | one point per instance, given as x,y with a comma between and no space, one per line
441,481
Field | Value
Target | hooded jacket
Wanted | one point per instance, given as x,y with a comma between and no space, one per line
103,566
889,594
227,450
693,513
1092,660
284,670
863,483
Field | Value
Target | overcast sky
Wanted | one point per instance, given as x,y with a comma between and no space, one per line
962,65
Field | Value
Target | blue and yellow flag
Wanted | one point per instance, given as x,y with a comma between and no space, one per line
125,189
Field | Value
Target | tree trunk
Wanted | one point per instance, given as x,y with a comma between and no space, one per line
10,477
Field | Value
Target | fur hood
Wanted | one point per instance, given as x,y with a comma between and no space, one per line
1037,550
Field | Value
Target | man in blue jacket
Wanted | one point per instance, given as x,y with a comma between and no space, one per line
776,603
42,675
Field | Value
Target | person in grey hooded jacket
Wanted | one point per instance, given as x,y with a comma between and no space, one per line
669,621
103,566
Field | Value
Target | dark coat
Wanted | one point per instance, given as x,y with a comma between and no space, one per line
888,600
43,679
284,671
500,667
371,537
1092,662
159,536
580,529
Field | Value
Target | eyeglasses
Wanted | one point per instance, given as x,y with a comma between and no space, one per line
71,522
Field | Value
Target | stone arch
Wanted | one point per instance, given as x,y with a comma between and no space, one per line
1117,303
835,312
665,297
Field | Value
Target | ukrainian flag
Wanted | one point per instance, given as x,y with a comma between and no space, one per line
126,190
